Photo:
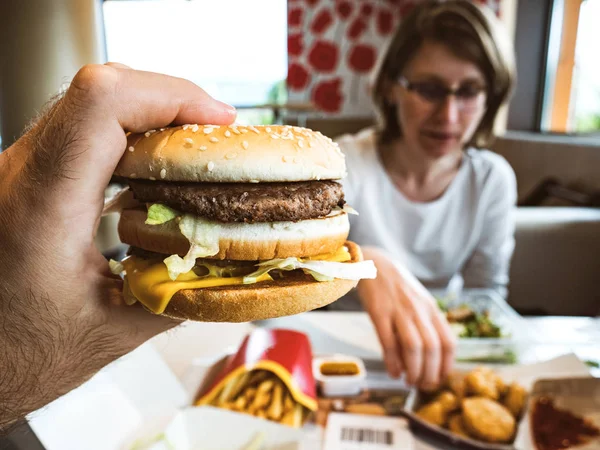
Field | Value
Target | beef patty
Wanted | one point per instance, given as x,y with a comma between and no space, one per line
244,202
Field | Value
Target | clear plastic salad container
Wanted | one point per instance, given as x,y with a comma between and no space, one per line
513,329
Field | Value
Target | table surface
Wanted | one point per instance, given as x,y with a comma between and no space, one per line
329,332
353,333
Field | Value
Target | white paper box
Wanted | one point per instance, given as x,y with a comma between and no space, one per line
211,428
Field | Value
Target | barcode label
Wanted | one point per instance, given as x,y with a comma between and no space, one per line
360,432
384,437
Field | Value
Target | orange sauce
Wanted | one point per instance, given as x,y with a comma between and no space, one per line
339,368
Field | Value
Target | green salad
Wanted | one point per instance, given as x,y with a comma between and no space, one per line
468,323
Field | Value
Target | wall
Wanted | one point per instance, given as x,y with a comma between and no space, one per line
334,45
42,45
574,161
528,21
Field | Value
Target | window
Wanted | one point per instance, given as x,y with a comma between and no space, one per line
572,91
229,48
586,82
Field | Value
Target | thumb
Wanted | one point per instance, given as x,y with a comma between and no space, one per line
77,145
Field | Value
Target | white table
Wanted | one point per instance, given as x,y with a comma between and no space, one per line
353,333
96,412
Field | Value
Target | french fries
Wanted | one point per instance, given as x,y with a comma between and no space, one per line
262,394
293,417
276,409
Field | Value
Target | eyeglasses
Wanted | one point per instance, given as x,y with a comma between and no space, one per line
468,95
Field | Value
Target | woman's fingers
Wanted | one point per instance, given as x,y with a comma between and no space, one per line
389,345
414,335
411,346
377,297
447,343
432,354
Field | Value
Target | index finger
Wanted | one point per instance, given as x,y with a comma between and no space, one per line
411,348
447,341
391,350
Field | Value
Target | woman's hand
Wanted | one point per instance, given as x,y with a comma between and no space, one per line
414,334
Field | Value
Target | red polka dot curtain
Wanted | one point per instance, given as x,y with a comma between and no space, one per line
333,45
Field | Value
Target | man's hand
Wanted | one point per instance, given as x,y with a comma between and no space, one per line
415,337
62,315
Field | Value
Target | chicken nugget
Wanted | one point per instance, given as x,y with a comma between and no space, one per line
488,420
448,400
456,383
515,399
455,424
482,382
493,376
433,413
501,385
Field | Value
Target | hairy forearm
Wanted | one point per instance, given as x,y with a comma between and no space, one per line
10,410
40,361
22,375
28,360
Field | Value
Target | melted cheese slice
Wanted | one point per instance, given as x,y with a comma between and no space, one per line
150,284
341,255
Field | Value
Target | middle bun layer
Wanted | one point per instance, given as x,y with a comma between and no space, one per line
242,241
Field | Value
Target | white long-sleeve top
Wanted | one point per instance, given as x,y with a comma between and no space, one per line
465,236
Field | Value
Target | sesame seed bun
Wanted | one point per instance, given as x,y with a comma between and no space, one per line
242,241
236,153
262,222
267,299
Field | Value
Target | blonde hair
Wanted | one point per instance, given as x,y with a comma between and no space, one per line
468,31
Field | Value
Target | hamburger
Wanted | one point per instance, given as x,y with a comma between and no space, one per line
234,223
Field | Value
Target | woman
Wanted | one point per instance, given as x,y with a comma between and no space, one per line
431,203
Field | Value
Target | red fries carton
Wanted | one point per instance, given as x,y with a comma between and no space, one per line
276,361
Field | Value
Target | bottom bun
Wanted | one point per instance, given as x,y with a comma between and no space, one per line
293,294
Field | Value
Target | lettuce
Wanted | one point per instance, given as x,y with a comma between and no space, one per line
320,270
204,241
115,267
349,209
346,209
201,232
159,214
176,265
319,277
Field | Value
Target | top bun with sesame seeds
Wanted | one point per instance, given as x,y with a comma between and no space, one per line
235,223
235,153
